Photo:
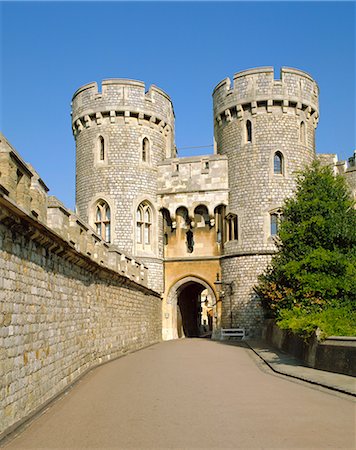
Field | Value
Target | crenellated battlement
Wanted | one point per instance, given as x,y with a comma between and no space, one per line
24,202
86,242
121,99
257,91
193,181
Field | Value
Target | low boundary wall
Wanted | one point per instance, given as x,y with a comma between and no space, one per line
334,354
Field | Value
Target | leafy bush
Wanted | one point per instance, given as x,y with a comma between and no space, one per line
332,321
315,267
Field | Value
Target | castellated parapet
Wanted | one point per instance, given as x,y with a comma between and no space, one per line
24,192
120,96
121,134
258,88
192,181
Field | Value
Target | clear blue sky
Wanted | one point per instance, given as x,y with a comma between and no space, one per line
50,49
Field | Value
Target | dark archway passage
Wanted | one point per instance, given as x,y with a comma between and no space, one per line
192,304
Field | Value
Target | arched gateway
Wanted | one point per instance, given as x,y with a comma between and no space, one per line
191,309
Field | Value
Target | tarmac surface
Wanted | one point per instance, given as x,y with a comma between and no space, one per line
194,394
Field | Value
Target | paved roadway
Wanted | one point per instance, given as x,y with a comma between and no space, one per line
188,394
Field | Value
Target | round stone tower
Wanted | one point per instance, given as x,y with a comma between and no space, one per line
266,127
121,134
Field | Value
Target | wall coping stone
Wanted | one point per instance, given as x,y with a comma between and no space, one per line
38,231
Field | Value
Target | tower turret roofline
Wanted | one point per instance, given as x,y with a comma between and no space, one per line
226,82
94,86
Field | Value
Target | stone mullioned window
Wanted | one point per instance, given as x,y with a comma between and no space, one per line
102,220
144,226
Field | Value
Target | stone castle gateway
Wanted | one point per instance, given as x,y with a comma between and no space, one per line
153,235
195,220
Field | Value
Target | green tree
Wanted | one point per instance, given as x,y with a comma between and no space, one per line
315,266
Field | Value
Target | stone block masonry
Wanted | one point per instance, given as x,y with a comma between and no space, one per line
59,318
63,309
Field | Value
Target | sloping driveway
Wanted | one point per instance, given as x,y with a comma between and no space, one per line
188,394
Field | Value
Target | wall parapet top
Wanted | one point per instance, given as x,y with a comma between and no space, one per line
25,194
54,202
86,241
267,70
93,86
253,71
259,85
89,86
192,159
299,72
129,272
116,93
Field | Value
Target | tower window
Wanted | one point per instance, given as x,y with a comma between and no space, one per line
103,220
275,220
248,131
139,223
302,132
274,224
278,163
145,149
144,225
101,148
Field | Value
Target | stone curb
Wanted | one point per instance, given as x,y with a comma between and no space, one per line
298,377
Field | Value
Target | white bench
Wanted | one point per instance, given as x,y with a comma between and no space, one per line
232,332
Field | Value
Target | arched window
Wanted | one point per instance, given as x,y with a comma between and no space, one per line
101,148
275,220
201,216
302,132
278,168
248,131
144,225
274,224
232,227
182,217
145,150
219,223
102,220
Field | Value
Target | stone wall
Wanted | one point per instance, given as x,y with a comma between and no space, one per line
61,315
193,181
68,300
334,354
241,307
346,169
